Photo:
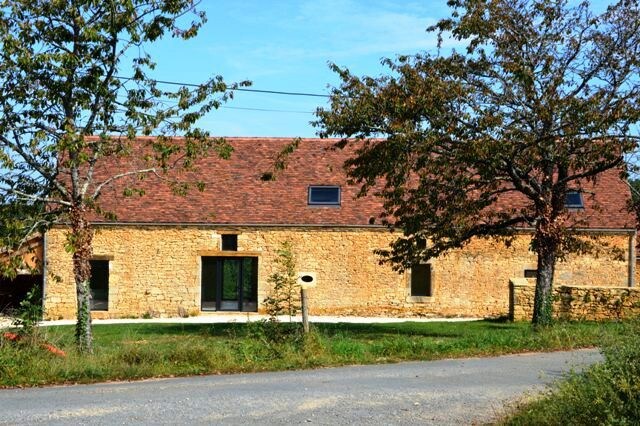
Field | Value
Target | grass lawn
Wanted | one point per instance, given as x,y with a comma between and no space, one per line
134,351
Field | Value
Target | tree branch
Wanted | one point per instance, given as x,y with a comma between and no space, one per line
97,191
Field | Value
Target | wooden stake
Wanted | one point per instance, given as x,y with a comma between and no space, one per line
305,310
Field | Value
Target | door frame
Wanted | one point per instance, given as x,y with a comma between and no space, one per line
220,259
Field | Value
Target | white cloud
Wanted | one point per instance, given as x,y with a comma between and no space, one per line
385,28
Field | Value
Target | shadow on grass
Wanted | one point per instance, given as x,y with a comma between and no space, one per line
440,330
221,329
369,331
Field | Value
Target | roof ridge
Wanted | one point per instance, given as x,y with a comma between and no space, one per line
233,138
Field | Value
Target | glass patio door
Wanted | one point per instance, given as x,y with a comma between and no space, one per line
229,283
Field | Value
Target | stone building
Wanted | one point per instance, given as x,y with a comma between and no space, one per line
213,250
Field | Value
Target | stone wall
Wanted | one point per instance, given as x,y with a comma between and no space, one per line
577,302
156,270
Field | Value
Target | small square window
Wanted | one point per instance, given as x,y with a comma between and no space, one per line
530,273
421,280
573,200
229,242
324,195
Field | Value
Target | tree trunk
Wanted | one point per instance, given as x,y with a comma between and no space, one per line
80,239
543,302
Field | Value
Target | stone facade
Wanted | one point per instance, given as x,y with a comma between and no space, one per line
156,270
578,302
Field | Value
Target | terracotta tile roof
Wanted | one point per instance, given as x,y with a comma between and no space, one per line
236,194
605,203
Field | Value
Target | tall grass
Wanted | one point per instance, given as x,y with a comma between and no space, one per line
132,351
606,394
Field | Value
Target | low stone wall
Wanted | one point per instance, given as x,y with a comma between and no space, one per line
576,302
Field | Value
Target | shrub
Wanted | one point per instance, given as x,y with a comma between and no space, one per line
273,331
284,298
29,313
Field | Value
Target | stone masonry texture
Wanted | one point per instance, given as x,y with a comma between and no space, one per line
155,270
580,302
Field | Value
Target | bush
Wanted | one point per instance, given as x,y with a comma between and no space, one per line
272,331
284,297
29,313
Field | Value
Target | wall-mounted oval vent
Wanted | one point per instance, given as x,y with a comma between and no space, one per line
307,279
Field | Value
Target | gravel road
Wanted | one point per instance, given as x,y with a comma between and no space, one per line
461,391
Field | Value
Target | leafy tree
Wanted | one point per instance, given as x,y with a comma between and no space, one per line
76,90
543,99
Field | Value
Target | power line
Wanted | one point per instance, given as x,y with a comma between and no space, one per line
174,103
240,89
267,110
277,92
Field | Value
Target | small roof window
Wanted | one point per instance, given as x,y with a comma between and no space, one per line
324,195
573,200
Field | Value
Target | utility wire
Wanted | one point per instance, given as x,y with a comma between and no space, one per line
277,92
240,89
268,110
174,103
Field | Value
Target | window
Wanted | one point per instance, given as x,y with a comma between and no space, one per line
530,273
573,200
324,195
421,280
99,285
229,242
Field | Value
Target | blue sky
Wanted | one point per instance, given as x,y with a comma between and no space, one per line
285,46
